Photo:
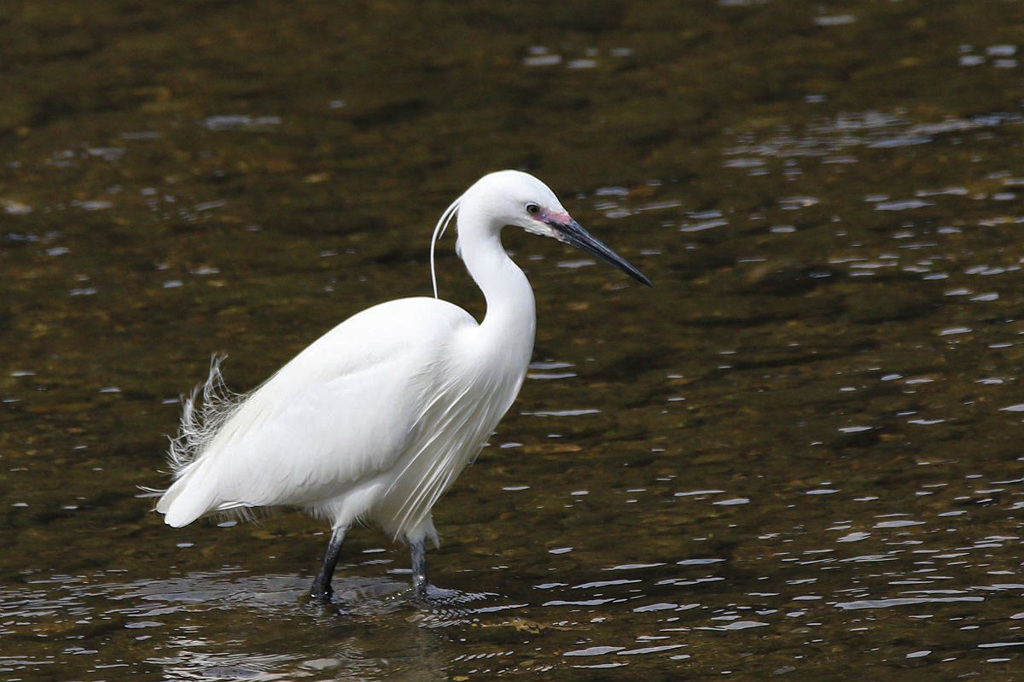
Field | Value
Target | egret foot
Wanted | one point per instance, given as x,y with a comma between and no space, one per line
418,549
322,591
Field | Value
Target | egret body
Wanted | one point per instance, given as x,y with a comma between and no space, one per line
377,418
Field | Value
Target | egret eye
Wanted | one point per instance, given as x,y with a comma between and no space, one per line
532,209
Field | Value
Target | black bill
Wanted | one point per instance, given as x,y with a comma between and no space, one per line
572,233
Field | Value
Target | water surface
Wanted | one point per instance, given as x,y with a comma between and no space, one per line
799,455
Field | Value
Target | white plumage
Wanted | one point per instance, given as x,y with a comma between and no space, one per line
376,419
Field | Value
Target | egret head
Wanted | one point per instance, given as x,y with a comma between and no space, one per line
515,198
518,199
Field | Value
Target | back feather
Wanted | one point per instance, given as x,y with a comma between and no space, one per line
198,426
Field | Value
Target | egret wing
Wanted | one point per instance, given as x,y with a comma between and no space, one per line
344,409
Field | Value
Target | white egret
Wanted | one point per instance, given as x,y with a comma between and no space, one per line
376,419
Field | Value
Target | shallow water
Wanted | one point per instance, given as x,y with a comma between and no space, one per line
799,455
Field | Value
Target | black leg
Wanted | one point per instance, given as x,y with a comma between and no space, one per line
419,568
322,585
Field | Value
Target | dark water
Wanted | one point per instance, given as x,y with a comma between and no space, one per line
798,456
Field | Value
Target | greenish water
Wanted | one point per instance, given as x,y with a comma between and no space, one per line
798,456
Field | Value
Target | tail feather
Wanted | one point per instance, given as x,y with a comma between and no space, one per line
180,509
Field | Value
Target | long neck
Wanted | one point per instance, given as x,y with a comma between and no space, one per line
511,310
